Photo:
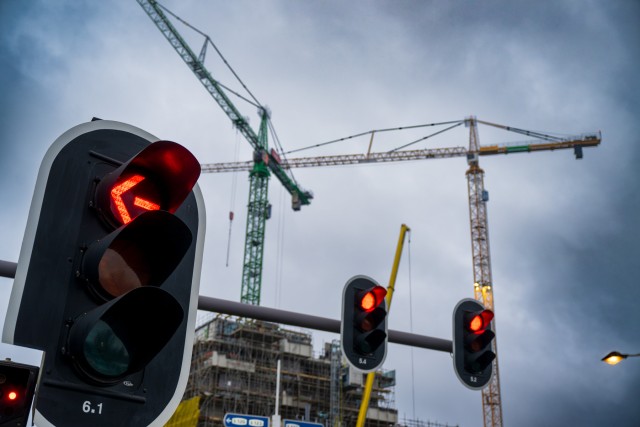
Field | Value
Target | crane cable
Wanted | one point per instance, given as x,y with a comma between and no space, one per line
280,150
232,200
256,103
424,138
413,376
456,122
280,248
535,134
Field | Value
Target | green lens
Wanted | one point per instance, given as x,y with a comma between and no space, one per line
105,352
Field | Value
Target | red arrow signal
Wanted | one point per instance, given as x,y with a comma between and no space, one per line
125,186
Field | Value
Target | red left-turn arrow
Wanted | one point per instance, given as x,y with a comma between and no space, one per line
116,195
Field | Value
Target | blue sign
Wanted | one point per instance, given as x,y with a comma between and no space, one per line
296,423
233,420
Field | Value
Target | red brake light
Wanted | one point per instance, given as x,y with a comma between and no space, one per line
12,395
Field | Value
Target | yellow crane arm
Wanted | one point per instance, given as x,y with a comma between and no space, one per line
366,396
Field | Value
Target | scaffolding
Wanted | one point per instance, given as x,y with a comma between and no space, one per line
233,370
420,423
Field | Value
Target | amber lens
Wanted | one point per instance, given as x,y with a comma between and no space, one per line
122,268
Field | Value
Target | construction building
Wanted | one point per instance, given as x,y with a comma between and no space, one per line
234,370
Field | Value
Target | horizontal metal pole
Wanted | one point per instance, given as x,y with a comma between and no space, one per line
313,322
267,314
217,305
8,269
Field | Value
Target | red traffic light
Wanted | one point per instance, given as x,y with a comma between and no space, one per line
473,343
157,178
478,322
369,299
17,385
117,224
363,329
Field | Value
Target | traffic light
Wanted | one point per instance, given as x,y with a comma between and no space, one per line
108,276
472,343
17,385
364,323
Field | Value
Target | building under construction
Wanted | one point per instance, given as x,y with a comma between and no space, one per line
234,370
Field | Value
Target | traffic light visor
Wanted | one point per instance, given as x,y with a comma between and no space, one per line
142,253
122,336
157,178
478,322
367,321
367,344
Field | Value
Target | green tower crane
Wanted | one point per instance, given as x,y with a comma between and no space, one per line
265,161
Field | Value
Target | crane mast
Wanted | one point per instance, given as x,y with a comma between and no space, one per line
265,161
258,211
481,259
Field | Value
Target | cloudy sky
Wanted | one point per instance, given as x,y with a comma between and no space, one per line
564,241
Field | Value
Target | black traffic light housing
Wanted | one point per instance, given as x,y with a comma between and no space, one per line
363,329
108,276
472,343
17,386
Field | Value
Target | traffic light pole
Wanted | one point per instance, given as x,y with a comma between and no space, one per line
217,305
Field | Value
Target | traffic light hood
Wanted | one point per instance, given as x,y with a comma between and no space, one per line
159,177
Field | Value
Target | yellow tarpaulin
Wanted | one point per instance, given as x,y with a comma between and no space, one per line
186,414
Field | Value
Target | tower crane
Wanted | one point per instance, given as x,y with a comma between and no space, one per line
265,161
268,161
478,197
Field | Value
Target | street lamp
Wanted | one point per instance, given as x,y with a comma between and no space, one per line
616,357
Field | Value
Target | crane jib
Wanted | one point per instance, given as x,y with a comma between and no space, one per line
194,62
